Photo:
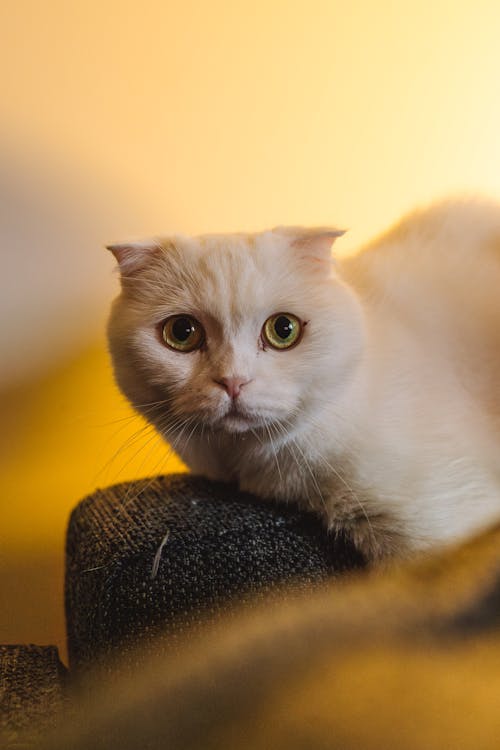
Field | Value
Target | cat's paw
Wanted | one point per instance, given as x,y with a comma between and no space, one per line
377,538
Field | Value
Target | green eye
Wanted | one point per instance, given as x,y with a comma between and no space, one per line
282,331
183,333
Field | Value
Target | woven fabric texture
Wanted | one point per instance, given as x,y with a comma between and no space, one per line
31,692
159,557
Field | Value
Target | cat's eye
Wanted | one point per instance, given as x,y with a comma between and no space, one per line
183,333
282,331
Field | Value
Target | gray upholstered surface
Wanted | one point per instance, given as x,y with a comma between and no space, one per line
219,545
31,692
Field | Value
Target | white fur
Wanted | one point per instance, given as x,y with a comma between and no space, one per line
385,417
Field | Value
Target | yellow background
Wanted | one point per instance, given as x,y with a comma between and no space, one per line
197,116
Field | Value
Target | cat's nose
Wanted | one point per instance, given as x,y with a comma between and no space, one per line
232,386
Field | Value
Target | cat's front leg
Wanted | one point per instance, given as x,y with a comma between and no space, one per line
375,532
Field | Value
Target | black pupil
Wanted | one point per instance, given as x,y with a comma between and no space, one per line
283,327
182,329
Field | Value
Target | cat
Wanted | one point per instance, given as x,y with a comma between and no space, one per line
365,388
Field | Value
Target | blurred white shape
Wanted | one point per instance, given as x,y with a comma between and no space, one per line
56,278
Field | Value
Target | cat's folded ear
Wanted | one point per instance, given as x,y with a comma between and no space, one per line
131,256
315,242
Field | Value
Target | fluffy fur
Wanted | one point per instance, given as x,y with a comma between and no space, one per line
385,418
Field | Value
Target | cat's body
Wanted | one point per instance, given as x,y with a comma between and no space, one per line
384,415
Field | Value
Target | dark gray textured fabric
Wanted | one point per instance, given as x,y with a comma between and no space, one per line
218,545
31,692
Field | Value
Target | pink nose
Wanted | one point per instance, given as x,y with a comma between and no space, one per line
232,386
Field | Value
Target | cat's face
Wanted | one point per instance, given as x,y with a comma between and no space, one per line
234,332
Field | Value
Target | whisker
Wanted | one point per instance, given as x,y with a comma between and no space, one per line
134,438
256,436
147,482
151,439
131,440
275,453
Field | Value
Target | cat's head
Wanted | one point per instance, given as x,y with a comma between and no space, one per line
234,331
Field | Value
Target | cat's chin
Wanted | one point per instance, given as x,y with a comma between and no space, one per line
238,423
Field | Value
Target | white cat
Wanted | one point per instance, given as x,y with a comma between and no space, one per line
367,389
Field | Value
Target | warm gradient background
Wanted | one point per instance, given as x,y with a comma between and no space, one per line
123,119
